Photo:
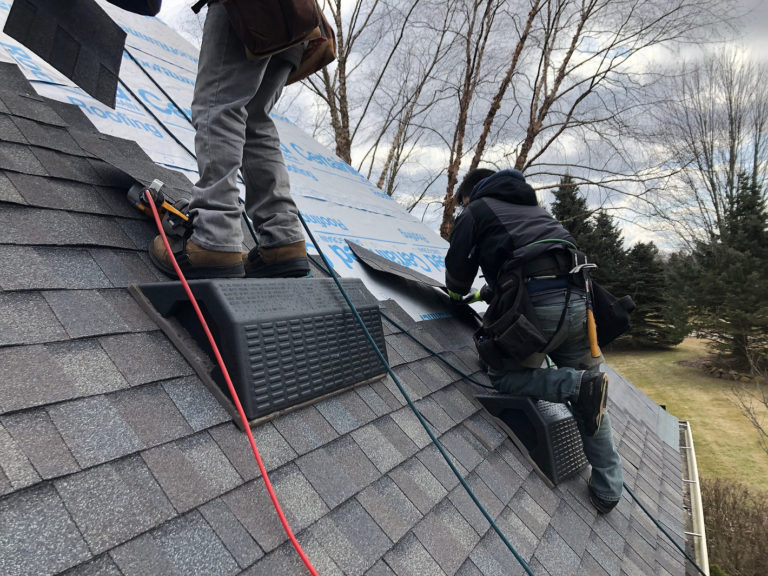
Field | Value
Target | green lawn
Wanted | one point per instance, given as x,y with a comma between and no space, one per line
726,442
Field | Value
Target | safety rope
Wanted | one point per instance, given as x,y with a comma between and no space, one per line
412,406
549,365
231,388
329,270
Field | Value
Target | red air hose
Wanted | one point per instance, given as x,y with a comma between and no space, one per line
231,387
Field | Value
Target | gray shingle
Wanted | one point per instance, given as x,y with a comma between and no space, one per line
8,192
375,402
406,348
469,510
151,414
25,318
389,507
541,493
235,537
28,268
530,512
284,561
143,358
300,503
87,365
456,404
31,106
66,166
436,464
603,555
410,558
590,566
485,430
410,424
500,477
129,311
345,412
141,557
464,447
37,535
94,430
192,547
39,439
252,507
114,502
447,536
28,374
46,136
351,538
434,373
102,566
414,387
435,415
192,470
14,463
273,448
124,268
305,429
571,528
23,225
199,407
10,130
338,470
375,443
19,158
140,232
418,484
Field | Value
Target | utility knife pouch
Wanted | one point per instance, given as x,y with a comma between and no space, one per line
510,327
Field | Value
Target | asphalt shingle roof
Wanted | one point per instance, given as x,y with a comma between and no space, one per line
116,459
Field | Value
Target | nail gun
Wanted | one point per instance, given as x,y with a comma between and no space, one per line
176,219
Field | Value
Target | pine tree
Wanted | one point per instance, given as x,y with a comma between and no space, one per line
729,288
660,318
571,210
604,245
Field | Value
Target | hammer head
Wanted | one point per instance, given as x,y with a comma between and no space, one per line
586,267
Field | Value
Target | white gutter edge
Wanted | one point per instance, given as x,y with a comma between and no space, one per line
697,509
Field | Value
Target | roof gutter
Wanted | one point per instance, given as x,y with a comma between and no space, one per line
693,488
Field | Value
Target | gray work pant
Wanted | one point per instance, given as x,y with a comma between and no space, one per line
230,111
569,350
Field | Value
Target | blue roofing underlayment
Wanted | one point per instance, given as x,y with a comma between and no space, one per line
115,459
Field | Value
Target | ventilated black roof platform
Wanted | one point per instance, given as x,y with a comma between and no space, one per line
76,37
284,341
546,430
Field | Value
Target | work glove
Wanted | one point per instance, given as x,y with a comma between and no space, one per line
455,296
484,294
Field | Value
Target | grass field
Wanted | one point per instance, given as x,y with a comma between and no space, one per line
726,442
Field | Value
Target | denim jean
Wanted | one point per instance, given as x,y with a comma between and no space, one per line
569,350
231,108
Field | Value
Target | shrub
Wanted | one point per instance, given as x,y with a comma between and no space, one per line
736,520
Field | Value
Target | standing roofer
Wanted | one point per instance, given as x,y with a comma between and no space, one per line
538,309
231,108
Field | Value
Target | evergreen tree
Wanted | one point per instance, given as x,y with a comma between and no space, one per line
605,247
570,209
659,319
730,280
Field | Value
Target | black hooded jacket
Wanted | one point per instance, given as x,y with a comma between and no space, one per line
500,225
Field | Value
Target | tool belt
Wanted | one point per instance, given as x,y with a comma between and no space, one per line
143,7
511,329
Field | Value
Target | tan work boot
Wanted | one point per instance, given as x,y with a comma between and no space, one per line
289,261
196,262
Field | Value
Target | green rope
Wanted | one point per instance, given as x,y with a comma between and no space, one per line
415,410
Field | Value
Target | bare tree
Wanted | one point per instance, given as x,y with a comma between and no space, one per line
754,402
713,128
479,16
